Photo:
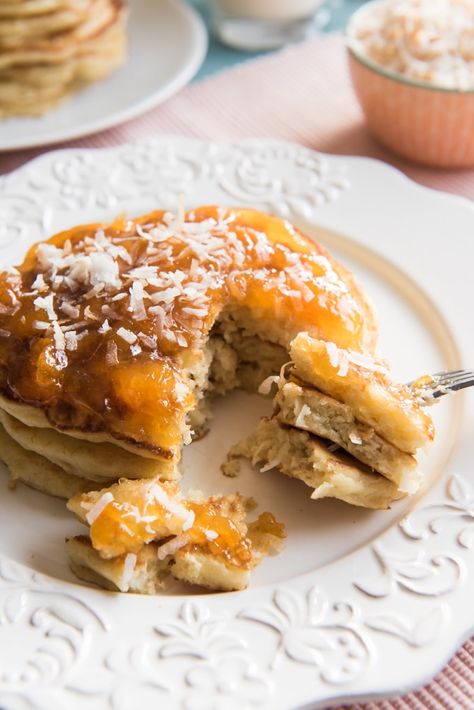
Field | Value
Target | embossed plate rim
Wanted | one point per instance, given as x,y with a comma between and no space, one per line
318,639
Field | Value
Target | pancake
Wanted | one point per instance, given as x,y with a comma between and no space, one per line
70,44
364,384
35,418
114,340
26,8
20,31
94,461
133,377
305,408
46,57
143,531
37,472
331,474
148,576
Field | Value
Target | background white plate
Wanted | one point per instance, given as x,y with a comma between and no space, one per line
168,42
359,604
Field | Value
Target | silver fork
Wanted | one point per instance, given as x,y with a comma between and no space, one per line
431,387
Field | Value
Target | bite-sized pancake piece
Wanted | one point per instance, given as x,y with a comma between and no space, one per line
130,514
95,461
205,541
103,326
143,573
332,474
38,472
305,408
364,384
204,570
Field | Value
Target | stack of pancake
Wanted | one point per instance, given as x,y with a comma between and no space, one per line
51,48
115,338
342,426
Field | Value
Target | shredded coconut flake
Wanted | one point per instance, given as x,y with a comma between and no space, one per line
181,340
303,413
276,461
169,504
181,390
59,339
367,362
268,382
41,325
149,341
211,534
333,353
71,340
343,363
69,310
105,327
127,335
39,283
46,303
189,522
137,306
111,355
425,40
89,314
172,546
128,568
98,508
48,255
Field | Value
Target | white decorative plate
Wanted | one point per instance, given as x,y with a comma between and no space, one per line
360,604
167,45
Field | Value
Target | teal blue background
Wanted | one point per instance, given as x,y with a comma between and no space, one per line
219,57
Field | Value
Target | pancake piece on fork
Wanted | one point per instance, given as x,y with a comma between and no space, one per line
342,426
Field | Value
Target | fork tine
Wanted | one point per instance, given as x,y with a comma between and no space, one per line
436,394
451,379
438,379
442,383
462,383
443,373
440,390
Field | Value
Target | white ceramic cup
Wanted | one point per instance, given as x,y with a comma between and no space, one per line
267,24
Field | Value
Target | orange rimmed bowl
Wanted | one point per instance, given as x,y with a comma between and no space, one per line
417,120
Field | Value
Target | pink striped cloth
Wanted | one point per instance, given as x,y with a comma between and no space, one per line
302,94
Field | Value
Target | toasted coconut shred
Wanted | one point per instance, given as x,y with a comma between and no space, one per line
99,507
426,40
128,289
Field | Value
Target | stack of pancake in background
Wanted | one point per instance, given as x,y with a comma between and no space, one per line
51,48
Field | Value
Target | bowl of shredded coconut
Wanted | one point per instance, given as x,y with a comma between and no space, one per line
412,67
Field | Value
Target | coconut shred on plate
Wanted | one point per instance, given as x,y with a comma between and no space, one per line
426,40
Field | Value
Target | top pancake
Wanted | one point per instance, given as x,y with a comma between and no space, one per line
102,327
27,8
56,36
20,30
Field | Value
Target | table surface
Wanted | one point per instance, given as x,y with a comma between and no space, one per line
220,57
